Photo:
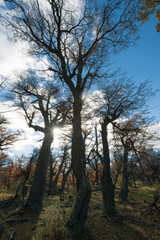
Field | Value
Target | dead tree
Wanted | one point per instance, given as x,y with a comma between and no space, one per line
132,133
40,104
120,99
77,42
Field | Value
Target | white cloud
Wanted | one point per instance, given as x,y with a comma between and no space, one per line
155,129
14,58
11,56
28,138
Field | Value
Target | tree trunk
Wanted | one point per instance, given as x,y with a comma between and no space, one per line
65,179
117,175
51,174
55,182
27,176
79,210
106,180
96,172
35,198
142,170
124,188
96,160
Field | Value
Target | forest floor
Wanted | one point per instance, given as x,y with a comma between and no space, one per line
136,219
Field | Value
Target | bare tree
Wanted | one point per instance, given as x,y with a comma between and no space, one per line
7,138
43,112
77,43
121,99
133,134
95,158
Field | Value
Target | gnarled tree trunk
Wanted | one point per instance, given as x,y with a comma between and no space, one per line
79,210
35,198
106,180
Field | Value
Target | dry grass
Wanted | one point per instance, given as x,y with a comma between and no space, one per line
52,220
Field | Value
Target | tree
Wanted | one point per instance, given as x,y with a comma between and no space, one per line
132,133
120,100
66,169
43,112
95,152
150,161
52,168
62,161
7,138
77,43
147,8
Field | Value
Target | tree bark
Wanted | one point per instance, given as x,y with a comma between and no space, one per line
124,188
35,198
55,182
79,210
142,169
96,160
118,173
106,180
65,179
51,174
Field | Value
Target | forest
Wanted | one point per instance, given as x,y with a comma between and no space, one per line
94,172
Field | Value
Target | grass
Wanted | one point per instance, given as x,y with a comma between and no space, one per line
52,220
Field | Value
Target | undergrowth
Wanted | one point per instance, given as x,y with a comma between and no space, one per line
51,224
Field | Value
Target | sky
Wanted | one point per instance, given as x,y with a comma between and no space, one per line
140,62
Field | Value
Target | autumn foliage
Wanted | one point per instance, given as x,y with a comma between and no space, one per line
149,7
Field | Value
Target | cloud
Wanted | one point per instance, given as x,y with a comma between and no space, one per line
11,56
155,130
14,58
28,138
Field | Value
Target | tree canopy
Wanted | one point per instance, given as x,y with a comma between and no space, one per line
147,8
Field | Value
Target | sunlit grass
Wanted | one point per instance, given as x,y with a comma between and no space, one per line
53,218
5,195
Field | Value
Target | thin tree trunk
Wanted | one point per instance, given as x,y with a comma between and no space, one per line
96,160
106,180
142,170
73,180
35,198
27,176
96,172
55,182
117,175
51,174
65,179
124,188
79,210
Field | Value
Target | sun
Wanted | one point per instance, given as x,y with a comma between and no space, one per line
56,134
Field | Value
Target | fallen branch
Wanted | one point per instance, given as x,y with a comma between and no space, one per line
106,216
153,205
21,220
115,237
12,235
17,211
139,221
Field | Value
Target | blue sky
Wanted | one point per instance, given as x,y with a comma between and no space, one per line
142,62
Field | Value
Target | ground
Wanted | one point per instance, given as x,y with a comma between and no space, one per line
136,219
